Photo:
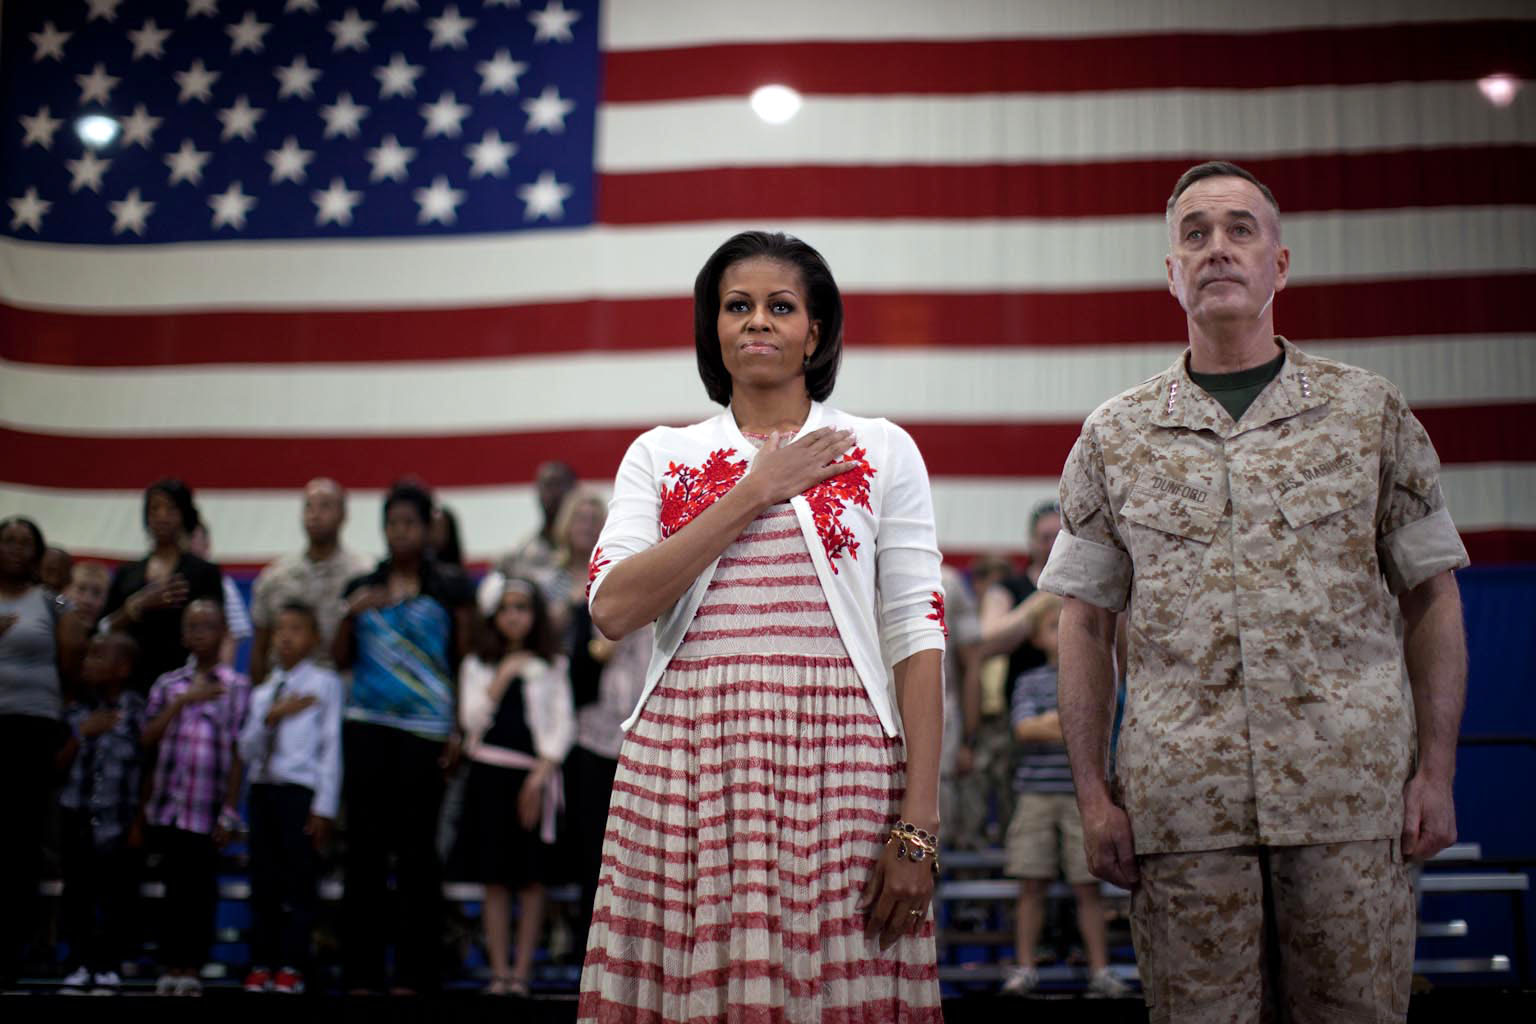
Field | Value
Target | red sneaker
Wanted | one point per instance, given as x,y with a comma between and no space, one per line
289,982
259,980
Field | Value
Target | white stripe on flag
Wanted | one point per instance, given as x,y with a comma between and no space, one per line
1127,125
1084,254
924,385
658,24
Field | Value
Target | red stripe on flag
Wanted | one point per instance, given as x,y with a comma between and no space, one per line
1478,176
1187,60
1462,434
1489,304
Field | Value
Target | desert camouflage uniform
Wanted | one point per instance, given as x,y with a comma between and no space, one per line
1266,704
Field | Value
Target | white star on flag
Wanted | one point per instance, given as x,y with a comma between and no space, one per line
399,5
553,23
39,128
444,116
246,34
289,163
397,78
239,120
500,73
450,29
149,40
139,127
196,83
545,197
334,204
186,163
547,111
231,206
350,32
343,117
296,79
106,9
27,210
503,3
307,6
202,7
438,202
48,43
489,155
130,213
97,85
389,160
86,172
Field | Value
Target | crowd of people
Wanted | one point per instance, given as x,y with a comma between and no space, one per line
138,749
485,713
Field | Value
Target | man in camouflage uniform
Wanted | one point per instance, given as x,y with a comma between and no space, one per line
1269,519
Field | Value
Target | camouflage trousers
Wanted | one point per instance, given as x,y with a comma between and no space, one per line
1297,934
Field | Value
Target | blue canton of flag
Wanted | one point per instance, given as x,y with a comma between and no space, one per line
214,119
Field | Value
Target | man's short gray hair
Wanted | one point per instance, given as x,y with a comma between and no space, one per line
1217,169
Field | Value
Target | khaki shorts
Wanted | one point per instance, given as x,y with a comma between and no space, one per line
1045,838
1327,931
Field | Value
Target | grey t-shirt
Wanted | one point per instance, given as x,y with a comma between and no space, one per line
29,668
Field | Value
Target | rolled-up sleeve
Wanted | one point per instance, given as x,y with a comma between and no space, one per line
634,521
1089,561
1416,538
911,594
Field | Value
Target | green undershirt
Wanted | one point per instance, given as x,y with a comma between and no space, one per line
1236,391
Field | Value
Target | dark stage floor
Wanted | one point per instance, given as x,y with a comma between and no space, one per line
1458,1006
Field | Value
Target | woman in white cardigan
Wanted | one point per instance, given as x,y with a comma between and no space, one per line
772,830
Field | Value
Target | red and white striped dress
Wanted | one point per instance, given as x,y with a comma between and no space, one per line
753,795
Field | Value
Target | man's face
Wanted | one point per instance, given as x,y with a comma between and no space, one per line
554,483
1225,261
1042,537
324,511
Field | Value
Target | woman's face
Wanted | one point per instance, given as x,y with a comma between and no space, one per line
765,327
404,531
162,518
515,616
18,552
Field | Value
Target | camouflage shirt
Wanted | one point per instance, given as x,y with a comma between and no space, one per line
1259,560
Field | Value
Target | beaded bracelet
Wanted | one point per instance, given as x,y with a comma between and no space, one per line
915,844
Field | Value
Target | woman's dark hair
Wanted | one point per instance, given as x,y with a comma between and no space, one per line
180,495
824,303
38,545
491,646
410,494
452,551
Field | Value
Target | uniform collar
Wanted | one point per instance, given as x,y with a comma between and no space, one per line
1183,403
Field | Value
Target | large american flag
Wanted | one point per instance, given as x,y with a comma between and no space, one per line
366,238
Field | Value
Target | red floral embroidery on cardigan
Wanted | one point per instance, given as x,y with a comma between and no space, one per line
828,499
595,567
697,489
936,602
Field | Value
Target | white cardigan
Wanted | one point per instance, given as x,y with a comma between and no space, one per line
874,550
547,705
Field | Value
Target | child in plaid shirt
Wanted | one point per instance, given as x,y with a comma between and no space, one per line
100,803
195,714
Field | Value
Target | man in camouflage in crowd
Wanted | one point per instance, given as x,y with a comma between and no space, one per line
1265,516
